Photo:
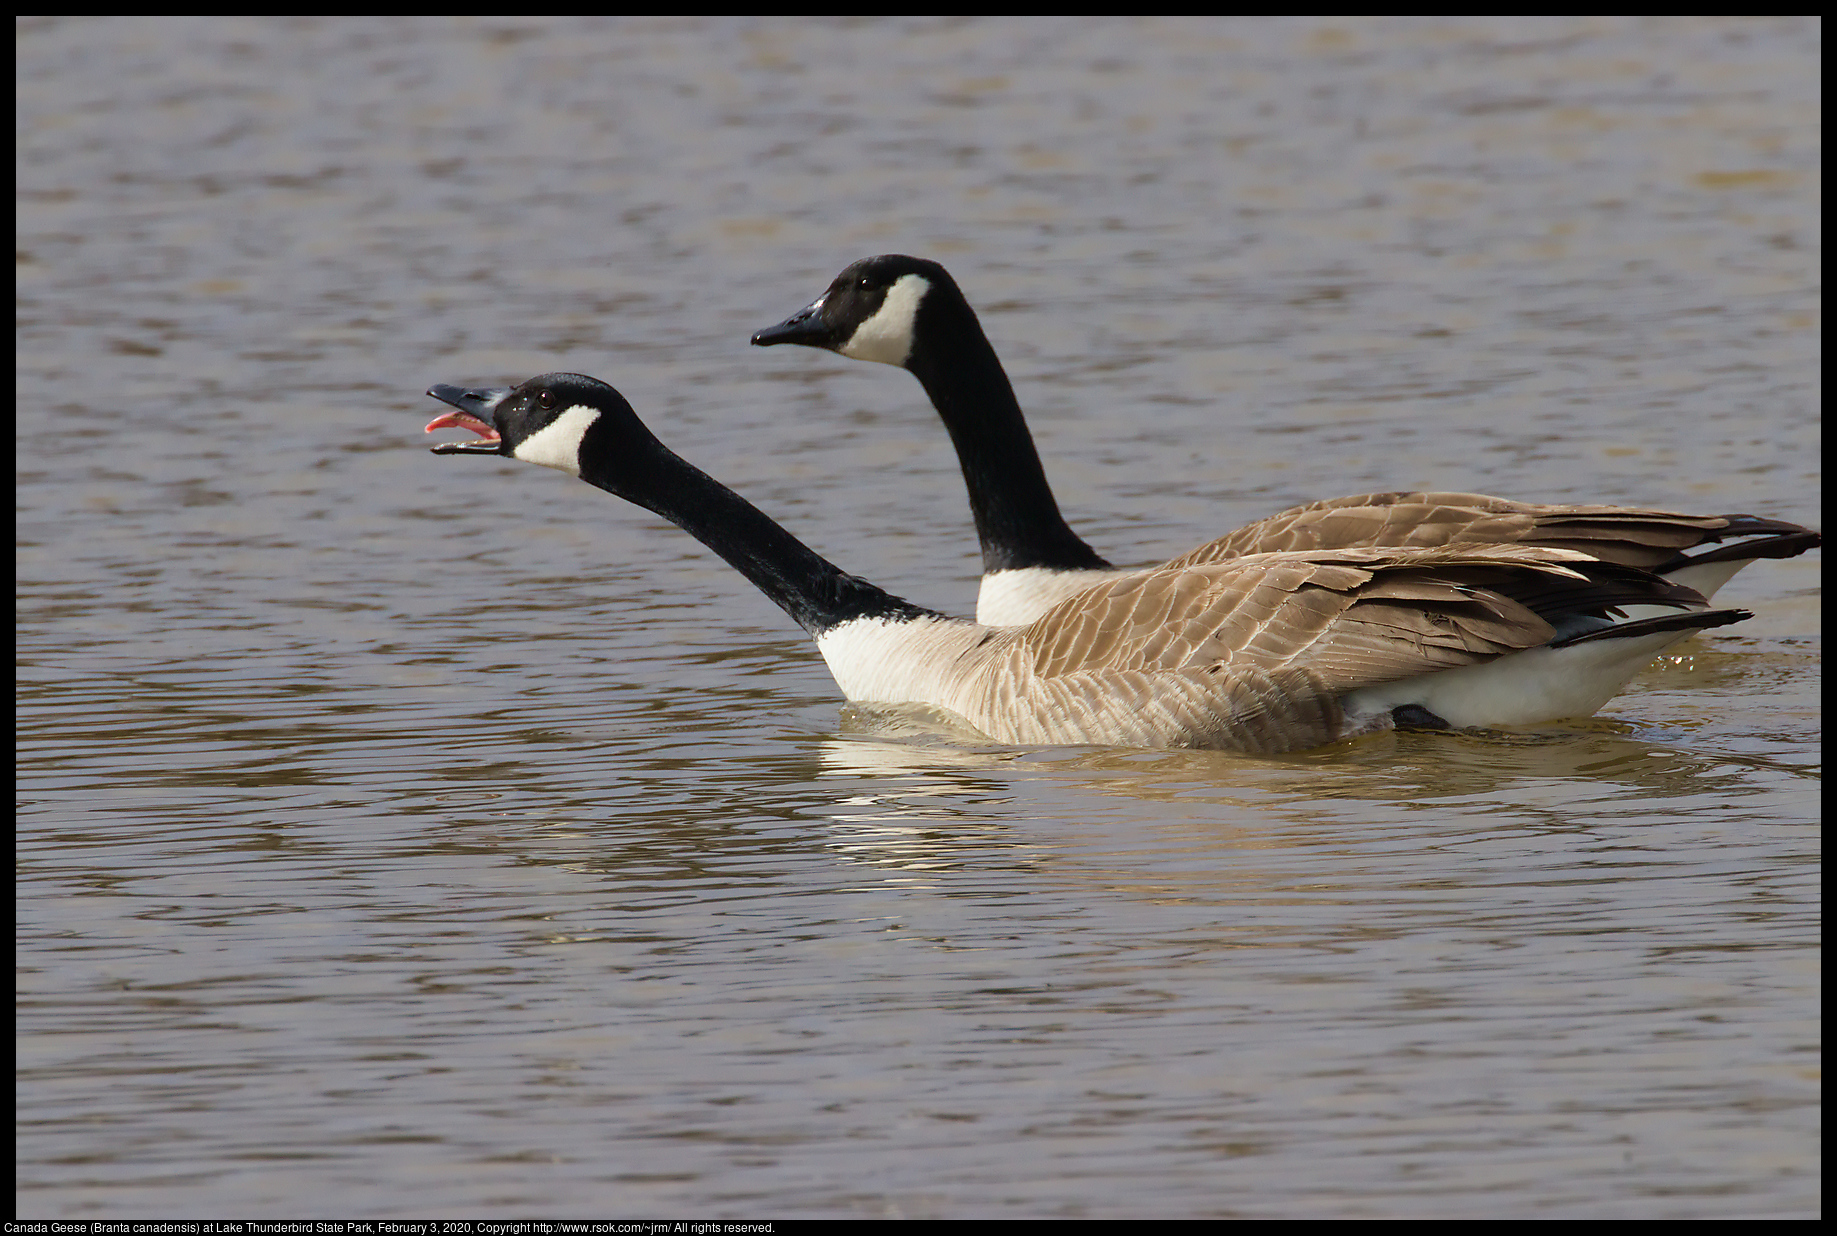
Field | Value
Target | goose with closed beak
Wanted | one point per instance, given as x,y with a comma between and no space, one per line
909,312
1266,653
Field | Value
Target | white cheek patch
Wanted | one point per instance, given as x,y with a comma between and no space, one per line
557,444
887,336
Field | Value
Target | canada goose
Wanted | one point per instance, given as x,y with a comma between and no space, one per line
908,312
1273,652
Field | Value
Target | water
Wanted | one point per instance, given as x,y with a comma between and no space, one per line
402,835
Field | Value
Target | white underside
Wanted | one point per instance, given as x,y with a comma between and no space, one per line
1708,577
1525,688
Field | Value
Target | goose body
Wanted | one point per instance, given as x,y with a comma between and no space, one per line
1261,653
909,312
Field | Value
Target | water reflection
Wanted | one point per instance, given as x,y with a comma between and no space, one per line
1604,758
913,805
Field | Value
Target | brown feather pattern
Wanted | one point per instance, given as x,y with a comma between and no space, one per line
1627,535
1256,654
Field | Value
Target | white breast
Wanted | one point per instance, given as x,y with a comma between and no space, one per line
914,661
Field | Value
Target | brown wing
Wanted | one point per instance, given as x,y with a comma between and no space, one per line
1347,617
1630,536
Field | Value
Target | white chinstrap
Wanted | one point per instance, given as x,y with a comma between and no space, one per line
887,337
557,444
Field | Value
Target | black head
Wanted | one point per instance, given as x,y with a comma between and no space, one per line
544,421
871,310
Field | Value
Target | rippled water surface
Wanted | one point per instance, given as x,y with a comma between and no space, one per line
408,836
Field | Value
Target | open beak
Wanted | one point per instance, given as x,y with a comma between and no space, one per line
472,410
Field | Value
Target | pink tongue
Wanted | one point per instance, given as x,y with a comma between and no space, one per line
461,420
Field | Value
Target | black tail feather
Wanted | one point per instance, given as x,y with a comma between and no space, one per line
1689,620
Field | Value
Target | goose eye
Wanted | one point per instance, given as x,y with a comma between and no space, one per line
546,398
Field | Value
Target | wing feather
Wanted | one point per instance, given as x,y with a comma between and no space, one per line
1627,535
1347,616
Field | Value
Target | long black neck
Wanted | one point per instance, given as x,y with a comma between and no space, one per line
816,593
1017,520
